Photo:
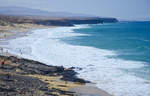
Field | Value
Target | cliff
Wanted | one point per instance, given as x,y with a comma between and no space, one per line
92,20
59,21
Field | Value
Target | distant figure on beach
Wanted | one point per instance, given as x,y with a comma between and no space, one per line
20,52
1,49
5,35
6,52
2,62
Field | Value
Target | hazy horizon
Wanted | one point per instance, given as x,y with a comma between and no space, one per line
123,10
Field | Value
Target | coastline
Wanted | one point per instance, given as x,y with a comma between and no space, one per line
89,90
98,92
60,87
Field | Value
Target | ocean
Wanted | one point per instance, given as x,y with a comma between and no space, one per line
113,56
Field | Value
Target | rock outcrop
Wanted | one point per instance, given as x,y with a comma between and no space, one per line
18,77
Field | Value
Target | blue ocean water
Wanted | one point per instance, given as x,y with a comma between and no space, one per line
131,41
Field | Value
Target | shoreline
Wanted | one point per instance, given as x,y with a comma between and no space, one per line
99,92
9,32
89,90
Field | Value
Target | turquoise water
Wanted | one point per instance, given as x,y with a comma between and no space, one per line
130,39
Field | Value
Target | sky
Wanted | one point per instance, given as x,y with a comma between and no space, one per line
121,9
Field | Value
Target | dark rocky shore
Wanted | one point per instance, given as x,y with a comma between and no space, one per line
15,79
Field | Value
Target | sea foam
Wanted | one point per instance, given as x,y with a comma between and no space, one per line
45,45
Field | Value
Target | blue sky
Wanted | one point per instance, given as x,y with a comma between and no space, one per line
122,9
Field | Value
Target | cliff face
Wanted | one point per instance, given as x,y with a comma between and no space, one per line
108,20
72,21
56,21
85,21
93,20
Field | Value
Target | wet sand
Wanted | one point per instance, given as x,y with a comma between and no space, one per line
89,91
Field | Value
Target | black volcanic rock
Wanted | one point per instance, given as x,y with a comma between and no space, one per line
18,83
34,67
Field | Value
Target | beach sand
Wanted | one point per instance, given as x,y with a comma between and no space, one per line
8,32
88,90
11,30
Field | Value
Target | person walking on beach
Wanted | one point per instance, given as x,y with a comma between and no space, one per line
20,51
2,62
1,49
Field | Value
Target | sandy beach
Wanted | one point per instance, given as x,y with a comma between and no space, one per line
13,30
89,91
